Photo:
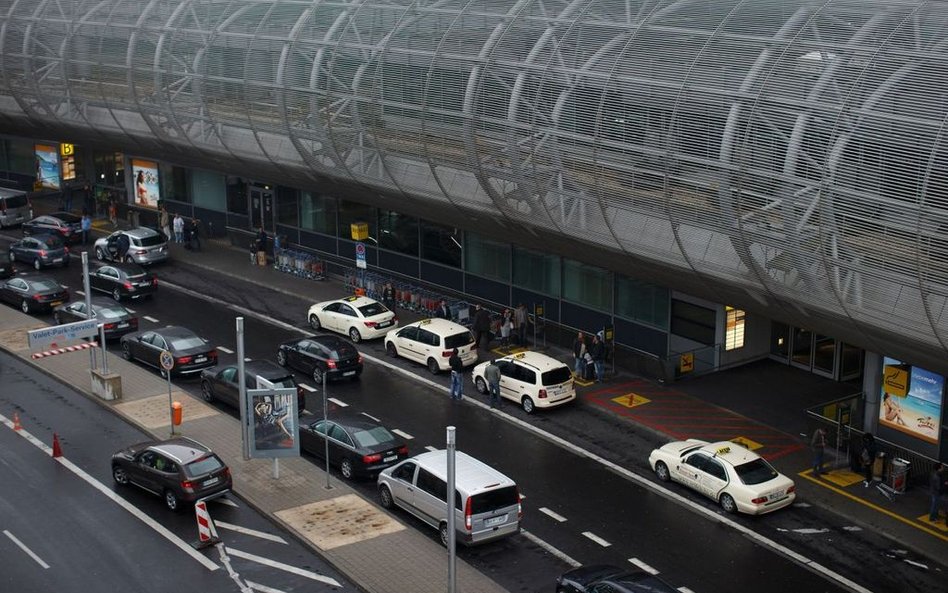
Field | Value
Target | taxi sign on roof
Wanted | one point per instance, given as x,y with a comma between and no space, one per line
349,299
424,322
723,451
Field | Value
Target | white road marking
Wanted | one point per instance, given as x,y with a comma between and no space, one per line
81,292
552,550
802,505
555,516
247,359
596,539
225,350
643,566
23,547
913,563
642,481
225,500
263,588
810,530
161,529
225,560
248,531
430,448
151,319
291,569
685,590
403,434
852,528
132,311
307,387
339,402
371,416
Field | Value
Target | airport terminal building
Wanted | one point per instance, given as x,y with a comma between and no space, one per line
721,179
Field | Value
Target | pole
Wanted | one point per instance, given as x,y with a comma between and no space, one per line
325,420
105,362
170,404
88,295
276,468
452,533
242,390
534,324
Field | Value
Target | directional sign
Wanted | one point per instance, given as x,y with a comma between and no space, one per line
61,335
166,360
360,255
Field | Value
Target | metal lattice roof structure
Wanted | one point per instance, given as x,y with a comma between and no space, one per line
783,155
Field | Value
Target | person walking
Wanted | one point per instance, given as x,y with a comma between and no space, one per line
579,355
195,235
122,245
598,352
867,456
938,490
388,296
506,327
86,225
113,213
520,321
818,445
164,221
481,325
492,375
178,223
457,379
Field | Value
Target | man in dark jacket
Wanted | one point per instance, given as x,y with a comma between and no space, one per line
443,312
598,352
938,489
481,325
121,247
492,375
457,379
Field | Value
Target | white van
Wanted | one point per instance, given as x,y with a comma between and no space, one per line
14,207
487,503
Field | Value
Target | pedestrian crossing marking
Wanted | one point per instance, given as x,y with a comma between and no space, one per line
746,443
631,400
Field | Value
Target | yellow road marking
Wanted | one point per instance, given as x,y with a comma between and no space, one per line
631,400
746,443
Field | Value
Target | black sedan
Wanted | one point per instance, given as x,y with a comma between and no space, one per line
601,578
221,383
117,320
40,251
7,269
191,352
319,355
357,445
33,293
124,281
64,225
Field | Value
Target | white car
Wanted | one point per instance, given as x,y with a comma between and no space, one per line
358,317
735,477
431,342
531,379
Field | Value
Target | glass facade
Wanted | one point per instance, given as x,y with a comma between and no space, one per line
487,258
209,189
642,302
536,271
693,322
175,183
441,244
587,285
236,195
288,212
398,232
351,212
317,213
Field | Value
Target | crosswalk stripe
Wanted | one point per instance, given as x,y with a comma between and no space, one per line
248,531
371,416
643,566
151,319
307,387
553,514
404,435
596,539
430,448
339,402
81,292
226,350
291,569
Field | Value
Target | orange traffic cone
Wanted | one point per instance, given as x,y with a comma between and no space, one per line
16,421
57,450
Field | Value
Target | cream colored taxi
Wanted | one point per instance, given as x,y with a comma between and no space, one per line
358,317
531,379
430,342
736,478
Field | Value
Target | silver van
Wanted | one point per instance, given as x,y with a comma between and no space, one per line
15,207
487,503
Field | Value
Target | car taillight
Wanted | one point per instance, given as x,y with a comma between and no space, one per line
154,281
42,253
127,285
370,323
542,394
468,512
519,505
446,353
360,359
212,354
226,472
187,486
37,297
331,363
374,458
110,326
184,360
759,500
403,450
66,231
792,488
140,252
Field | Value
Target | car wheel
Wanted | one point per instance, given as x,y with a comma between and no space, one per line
727,503
385,497
354,335
281,358
527,404
661,470
314,323
117,295
206,392
99,254
25,306
37,265
171,500
480,384
443,534
346,468
119,475
390,349
126,351
433,367
318,375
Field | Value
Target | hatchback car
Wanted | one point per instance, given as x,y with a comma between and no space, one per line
33,293
41,251
123,281
736,478
358,317
145,246
431,342
191,353
65,225
531,379
321,356
117,320
358,446
222,383
603,578
180,470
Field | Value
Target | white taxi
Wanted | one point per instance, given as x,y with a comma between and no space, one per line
358,317
531,379
431,342
735,477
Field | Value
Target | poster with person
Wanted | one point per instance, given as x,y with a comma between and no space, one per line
145,178
911,400
47,166
274,430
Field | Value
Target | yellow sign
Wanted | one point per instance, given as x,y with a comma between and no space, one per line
349,299
67,149
895,379
746,443
609,333
723,451
539,310
686,363
631,400
359,230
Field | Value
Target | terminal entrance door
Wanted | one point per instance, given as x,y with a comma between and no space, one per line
814,352
261,209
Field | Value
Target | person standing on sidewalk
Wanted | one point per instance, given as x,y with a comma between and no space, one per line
481,325
598,352
818,444
164,221
492,375
86,225
520,321
195,238
867,456
579,355
938,490
457,379
178,228
113,213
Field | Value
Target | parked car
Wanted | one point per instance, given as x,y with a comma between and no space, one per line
431,342
358,446
65,225
321,355
124,281
735,477
40,251
117,320
358,317
531,379
602,578
191,353
180,470
145,246
33,293
7,269
222,383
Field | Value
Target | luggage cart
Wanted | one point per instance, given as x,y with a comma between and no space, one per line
897,479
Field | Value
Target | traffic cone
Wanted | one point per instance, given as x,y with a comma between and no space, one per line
207,533
16,421
57,450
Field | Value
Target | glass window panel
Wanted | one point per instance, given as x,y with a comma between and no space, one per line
288,206
174,183
318,213
398,232
441,244
587,285
642,302
236,195
693,322
734,329
350,212
487,258
780,339
209,189
536,271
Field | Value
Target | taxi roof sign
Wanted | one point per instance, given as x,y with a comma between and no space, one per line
723,451
349,299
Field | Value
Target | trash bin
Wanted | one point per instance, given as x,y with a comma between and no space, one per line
899,474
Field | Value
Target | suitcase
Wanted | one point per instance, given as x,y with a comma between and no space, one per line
589,373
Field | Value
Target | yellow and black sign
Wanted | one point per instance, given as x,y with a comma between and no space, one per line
609,333
359,230
723,451
896,379
538,310
67,149
686,363
349,299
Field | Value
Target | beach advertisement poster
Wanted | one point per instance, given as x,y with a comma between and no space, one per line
918,411
145,176
47,166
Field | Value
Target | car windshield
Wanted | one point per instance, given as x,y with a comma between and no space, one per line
186,342
492,500
285,382
458,340
372,309
755,472
52,242
373,436
151,240
45,285
203,466
16,201
111,313
556,376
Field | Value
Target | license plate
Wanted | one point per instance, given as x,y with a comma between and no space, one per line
384,323
144,284
348,373
495,520
390,458
210,482
54,303
200,358
58,260
775,496
121,325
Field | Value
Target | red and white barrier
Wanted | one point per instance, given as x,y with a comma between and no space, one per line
207,533
55,351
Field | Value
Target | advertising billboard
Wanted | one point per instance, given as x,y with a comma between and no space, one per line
47,166
911,400
274,429
145,177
